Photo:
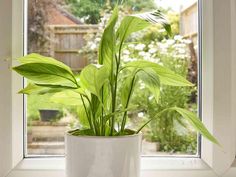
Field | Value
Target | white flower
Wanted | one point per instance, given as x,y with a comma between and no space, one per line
151,45
163,46
131,45
126,58
97,39
178,38
126,52
93,46
140,114
139,47
181,51
170,42
161,30
142,53
152,50
179,45
150,98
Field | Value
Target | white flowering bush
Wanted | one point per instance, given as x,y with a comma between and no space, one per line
174,54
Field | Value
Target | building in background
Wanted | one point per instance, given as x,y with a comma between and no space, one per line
60,16
189,22
189,30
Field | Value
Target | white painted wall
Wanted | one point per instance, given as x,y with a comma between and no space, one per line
5,86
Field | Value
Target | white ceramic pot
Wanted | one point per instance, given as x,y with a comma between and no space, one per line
91,156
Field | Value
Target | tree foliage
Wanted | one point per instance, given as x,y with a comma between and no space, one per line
90,10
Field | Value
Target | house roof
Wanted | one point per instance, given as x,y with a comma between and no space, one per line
59,16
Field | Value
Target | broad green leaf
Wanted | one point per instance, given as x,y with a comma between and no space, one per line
36,89
56,86
93,77
196,123
83,119
96,105
107,44
166,76
82,91
31,89
107,100
151,81
45,73
73,98
127,89
67,97
134,23
36,58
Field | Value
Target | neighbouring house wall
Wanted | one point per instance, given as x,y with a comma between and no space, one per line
189,21
5,86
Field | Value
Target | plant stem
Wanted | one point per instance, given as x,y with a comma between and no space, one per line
114,92
86,111
102,118
127,104
155,117
95,125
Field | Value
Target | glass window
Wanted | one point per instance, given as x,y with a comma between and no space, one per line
70,31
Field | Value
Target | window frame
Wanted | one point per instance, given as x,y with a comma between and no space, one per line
199,89
214,161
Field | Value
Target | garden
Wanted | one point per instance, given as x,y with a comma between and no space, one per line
163,136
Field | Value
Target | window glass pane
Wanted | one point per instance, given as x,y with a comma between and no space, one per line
70,31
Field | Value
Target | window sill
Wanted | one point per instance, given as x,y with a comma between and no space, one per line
151,167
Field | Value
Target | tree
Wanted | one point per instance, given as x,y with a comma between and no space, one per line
90,10
37,20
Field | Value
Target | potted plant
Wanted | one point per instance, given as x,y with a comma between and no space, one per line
47,115
104,147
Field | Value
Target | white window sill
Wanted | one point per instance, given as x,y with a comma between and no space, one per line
148,163
151,167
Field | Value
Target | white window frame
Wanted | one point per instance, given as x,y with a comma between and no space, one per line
218,99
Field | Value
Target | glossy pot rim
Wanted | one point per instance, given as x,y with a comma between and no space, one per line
104,137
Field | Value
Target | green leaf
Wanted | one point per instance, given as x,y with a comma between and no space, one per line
73,98
196,123
36,58
107,44
151,81
45,73
37,89
83,119
31,89
67,97
166,76
93,77
134,23
127,89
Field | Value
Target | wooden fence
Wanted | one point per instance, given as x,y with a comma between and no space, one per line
65,42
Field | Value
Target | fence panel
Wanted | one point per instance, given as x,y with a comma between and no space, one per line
66,42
